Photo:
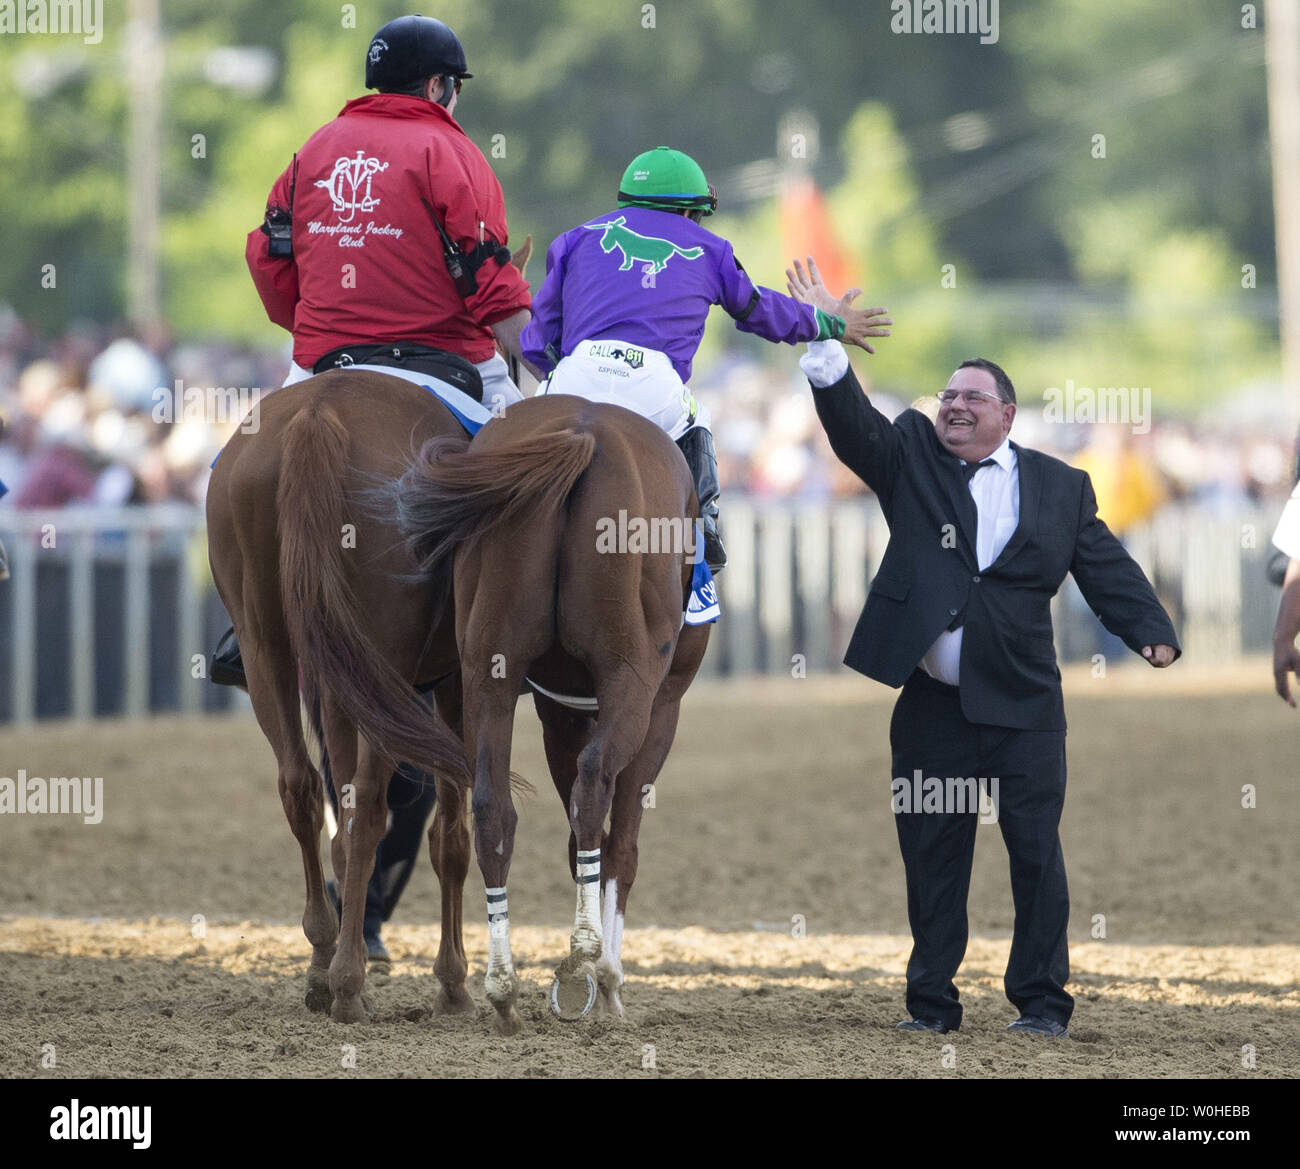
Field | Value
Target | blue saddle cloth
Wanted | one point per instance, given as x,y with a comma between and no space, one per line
469,413
703,607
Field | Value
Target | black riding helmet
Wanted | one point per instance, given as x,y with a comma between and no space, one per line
411,48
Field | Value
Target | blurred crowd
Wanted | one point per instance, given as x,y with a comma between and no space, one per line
94,416
101,418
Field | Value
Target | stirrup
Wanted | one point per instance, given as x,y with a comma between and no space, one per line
227,666
715,555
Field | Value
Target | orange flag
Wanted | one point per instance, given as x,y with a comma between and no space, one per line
806,231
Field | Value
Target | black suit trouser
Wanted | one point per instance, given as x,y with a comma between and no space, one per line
929,734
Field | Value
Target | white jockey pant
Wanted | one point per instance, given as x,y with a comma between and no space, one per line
641,380
498,390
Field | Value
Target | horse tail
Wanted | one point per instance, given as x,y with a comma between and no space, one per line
452,496
322,613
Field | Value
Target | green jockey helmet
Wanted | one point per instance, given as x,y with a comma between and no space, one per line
666,180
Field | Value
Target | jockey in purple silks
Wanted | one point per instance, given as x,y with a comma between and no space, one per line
622,310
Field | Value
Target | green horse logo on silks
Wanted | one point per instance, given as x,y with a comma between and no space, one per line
646,249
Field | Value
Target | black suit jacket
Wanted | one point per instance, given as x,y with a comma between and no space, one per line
929,574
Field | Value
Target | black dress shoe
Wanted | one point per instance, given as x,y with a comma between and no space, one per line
1037,1025
938,1026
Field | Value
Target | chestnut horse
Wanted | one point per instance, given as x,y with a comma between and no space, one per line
321,589
540,595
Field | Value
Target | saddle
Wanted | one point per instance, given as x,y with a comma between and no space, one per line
435,363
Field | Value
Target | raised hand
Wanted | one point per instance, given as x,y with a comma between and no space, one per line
859,324
808,287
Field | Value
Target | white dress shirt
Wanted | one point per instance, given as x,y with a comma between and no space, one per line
996,491
1287,536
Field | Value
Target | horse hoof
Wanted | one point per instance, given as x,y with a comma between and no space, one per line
573,995
455,1002
319,996
501,988
507,1022
610,1003
348,1010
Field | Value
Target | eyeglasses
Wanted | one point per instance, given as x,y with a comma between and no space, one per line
968,397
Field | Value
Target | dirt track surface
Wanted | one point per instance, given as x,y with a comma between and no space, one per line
773,804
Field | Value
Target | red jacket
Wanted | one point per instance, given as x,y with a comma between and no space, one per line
356,202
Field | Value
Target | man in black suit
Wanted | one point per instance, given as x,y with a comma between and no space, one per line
982,533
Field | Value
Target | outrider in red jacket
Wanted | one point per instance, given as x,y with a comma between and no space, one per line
367,263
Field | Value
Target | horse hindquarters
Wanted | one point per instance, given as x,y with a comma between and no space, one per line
242,543
449,850
500,633
619,613
631,795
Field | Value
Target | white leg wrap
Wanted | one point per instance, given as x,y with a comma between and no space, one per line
500,963
586,924
612,927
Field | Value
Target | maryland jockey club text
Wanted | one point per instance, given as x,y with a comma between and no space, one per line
352,235
82,18
641,534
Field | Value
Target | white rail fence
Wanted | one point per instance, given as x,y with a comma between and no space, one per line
111,611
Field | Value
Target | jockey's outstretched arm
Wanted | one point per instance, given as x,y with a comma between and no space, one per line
772,315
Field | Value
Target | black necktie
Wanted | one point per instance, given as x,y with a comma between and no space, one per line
968,471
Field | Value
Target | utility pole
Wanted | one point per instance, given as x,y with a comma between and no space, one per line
1282,40
144,70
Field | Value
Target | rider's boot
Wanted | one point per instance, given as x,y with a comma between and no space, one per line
227,667
372,921
697,445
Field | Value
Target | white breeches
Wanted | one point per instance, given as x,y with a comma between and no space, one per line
641,380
